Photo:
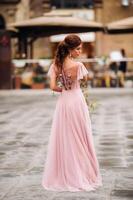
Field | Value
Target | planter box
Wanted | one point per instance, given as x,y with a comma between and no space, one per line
38,86
17,82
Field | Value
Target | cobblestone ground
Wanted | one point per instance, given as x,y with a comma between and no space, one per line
25,121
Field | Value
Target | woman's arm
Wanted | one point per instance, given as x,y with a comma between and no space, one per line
53,85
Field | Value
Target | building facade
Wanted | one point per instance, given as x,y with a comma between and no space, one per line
19,10
110,11
104,11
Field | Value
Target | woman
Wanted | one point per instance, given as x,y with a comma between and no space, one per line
71,163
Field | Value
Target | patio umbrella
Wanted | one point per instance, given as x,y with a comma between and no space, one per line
121,26
12,32
50,25
31,29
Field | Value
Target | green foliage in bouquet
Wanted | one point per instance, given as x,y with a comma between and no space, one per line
92,105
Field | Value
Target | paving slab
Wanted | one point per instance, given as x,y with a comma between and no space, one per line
25,122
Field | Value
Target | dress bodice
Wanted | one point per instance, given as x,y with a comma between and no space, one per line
69,77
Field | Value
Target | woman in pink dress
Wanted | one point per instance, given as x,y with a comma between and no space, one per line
71,162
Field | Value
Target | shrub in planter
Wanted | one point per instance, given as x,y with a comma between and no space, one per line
38,82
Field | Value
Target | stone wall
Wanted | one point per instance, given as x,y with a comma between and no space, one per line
24,10
112,10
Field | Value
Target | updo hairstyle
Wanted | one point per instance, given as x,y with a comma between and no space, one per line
70,42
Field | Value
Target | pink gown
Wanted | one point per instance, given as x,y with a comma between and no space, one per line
71,162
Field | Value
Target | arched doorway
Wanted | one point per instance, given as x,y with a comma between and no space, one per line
2,22
5,56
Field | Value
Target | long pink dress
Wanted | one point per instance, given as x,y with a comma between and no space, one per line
71,162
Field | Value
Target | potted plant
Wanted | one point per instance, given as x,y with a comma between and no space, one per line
38,81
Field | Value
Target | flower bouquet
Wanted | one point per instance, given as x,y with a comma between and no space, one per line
93,104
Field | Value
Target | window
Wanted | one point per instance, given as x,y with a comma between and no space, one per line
98,3
125,2
9,1
72,3
2,22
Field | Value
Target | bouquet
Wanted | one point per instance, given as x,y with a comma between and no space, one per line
92,105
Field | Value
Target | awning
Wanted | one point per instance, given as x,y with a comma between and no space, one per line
121,26
49,25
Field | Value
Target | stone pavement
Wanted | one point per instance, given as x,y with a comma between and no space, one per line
25,121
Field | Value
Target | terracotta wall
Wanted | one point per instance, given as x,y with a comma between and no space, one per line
110,11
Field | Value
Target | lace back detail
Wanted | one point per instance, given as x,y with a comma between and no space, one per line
67,77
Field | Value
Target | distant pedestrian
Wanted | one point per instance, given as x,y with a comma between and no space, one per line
38,69
123,64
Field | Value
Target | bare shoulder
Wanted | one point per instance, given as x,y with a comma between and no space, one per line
70,66
79,65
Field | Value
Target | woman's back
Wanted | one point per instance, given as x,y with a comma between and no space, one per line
70,74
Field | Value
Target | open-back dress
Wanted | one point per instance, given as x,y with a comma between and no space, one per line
71,162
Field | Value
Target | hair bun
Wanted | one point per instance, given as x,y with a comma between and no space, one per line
64,44
69,43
